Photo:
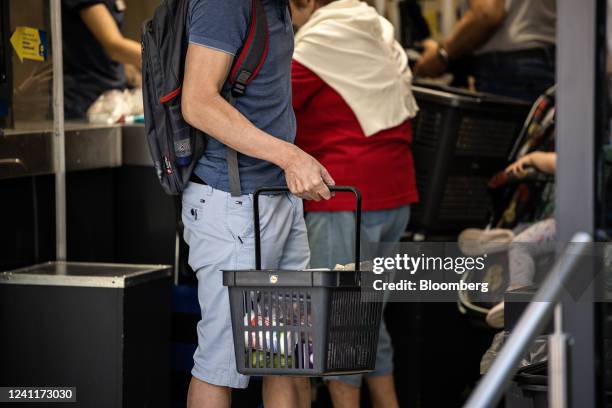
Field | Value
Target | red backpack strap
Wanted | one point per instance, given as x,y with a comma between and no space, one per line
245,69
253,53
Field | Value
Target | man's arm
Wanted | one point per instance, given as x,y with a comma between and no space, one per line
100,22
474,28
203,107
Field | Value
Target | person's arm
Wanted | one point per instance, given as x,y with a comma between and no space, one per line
203,107
133,76
474,28
544,161
100,22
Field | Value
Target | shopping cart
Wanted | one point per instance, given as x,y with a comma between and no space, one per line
306,323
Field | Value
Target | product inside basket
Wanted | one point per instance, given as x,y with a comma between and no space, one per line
268,348
270,345
363,266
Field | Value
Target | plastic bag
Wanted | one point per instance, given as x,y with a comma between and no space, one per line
114,106
537,353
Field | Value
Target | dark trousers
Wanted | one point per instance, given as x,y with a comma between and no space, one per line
523,74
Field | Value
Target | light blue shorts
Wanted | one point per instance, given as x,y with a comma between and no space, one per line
331,236
219,232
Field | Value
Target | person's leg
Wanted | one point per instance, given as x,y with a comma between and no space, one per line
534,241
204,395
526,247
219,232
343,394
212,248
331,238
380,382
281,392
382,391
385,227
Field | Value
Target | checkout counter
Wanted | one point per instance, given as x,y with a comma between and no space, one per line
113,209
116,210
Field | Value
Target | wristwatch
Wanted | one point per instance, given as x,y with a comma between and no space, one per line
442,54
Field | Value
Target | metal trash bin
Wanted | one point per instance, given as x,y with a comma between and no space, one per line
102,328
304,323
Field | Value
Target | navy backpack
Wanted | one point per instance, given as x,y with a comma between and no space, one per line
175,146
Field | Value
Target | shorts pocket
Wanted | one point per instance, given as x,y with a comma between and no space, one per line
193,206
192,213
239,217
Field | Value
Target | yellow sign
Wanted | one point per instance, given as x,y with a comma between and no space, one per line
30,43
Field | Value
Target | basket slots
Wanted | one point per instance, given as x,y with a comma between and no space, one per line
277,329
353,330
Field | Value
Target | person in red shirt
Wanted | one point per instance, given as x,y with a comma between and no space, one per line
353,104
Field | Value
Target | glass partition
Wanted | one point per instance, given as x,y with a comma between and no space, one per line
30,64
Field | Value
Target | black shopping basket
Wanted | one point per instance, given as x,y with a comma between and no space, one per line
461,139
305,323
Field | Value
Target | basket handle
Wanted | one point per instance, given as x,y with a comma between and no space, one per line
341,189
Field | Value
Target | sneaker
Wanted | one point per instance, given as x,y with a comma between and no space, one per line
476,242
495,317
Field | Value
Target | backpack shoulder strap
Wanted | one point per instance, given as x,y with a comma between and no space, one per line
245,69
253,53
